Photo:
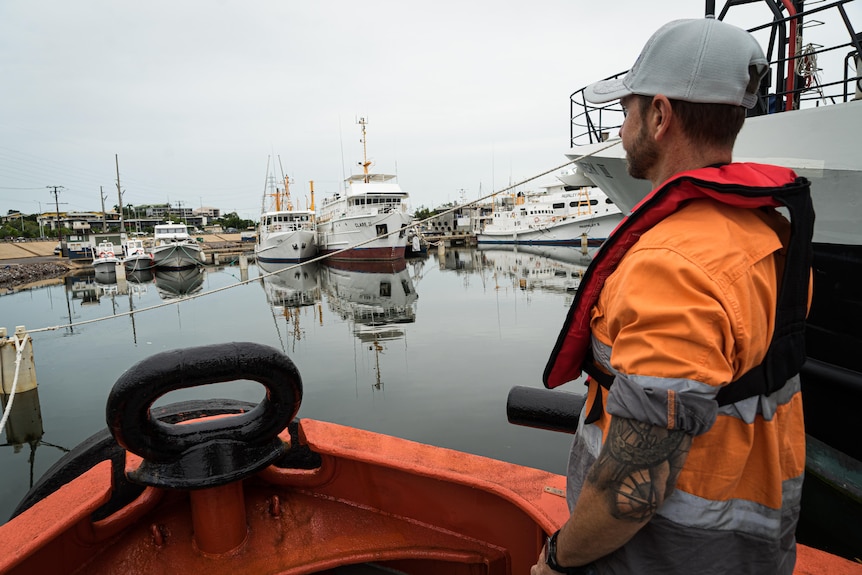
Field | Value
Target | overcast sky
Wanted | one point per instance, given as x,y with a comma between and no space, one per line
194,96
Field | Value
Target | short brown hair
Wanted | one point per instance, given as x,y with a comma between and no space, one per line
708,124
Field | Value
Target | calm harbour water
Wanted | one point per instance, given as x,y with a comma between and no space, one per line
426,351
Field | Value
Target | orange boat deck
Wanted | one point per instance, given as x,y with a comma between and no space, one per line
377,499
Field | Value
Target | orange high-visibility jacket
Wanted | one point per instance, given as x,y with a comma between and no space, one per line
680,304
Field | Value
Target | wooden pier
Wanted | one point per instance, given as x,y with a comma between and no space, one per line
458,239
226,252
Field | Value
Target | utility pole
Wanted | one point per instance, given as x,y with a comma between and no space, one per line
41,233
119,193
56,191
104,218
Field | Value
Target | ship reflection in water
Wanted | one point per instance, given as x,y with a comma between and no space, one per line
173,284
290,288
95,289
546,268
377,299
374,298
140,276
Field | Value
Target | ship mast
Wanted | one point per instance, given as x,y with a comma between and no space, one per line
288,204
365,163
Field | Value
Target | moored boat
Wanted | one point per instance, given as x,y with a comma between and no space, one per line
136,257
561,215
105,259
174,248
368,220
229,487
807,118
287,233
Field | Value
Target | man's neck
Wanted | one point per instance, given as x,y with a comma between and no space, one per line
685,158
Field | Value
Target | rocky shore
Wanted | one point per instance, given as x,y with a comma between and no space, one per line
14,275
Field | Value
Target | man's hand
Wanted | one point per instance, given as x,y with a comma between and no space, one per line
541,566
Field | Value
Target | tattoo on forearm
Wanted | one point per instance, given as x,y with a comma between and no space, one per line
638,467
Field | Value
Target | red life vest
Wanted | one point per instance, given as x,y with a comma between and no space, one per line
739,184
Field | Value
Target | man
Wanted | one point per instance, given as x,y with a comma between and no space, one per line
689,456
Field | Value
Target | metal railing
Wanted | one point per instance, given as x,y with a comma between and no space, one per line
593,123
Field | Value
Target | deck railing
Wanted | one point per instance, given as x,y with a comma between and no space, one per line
591,123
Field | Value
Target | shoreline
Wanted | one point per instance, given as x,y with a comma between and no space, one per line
15,276
25,264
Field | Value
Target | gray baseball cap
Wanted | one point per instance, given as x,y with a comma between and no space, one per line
702,60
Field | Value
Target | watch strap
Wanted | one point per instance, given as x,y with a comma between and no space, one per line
551,560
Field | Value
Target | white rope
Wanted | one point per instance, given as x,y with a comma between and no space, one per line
19,352
609,144
806,67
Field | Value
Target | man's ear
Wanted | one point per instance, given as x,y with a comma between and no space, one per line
660,116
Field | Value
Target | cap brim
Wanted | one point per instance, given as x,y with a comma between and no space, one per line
606,91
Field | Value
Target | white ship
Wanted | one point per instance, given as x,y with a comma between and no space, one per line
287,233
561,215
368,220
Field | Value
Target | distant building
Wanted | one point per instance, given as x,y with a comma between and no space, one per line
144,217
80,221
167,211
456,223
206,211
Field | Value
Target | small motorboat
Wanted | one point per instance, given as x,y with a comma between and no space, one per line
227,487
105,259
174,249
137,258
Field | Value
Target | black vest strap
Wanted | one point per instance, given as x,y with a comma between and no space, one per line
786,352
603,379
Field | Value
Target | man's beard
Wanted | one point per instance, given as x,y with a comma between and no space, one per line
642,154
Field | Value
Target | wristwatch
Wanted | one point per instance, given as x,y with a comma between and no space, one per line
551,560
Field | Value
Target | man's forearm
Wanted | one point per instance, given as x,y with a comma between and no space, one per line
591,531
636,471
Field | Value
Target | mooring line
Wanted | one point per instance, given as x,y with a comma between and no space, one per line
20,343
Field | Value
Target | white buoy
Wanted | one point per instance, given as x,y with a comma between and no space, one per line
9,347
